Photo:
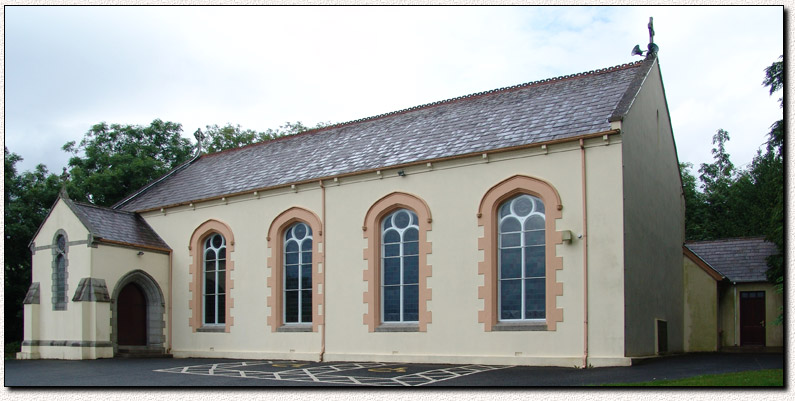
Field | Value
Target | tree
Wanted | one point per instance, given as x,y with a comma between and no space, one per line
113,161
771,166
231,136
695,205
28,199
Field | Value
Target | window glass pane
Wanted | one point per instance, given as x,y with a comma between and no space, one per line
535,263
291,258
411,234
410,303
535,298
510,263
209,283
291,279
392,250
306,306
299,231
221,265
306,257
392,304
387,222
510,299
306,276
410,269
411,248
505,209
534,237
209,255
307,245
222,253
221,308
288,234
539,206
391,271
61,243
218,241
402,219
209,309
291,246
391,236
413,218
510,224
291,307
507,240
221,282
534,222
523,205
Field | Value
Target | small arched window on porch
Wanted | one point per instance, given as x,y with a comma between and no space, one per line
59,264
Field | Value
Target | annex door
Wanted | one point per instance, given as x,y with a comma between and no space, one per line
132,315
752,318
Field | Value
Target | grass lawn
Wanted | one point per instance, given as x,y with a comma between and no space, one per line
751,378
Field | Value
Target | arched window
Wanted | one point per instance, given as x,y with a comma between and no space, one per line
519,241
298,274
521,259
59,275
400,267
296,280
396,230
214,280
211,303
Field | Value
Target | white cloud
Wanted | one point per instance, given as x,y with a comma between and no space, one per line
68,68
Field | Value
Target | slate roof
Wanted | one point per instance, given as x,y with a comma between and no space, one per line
739,259
116,226
535,112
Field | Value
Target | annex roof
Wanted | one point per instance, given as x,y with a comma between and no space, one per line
739,259
116,226
536,112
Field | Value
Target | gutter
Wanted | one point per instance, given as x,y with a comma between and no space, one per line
584,257
325,268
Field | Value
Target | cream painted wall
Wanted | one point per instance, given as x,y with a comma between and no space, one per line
452,190
112,263
605,248
701,309
60,325
653,223
730,324
249,219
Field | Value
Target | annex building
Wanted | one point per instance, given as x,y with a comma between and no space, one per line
539,224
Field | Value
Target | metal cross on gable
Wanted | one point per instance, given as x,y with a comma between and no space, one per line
651,29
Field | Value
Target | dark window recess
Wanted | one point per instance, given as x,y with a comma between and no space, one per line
662,336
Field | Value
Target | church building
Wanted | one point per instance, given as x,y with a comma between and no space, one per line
537,224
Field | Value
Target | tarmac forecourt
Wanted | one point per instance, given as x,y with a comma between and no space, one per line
349,373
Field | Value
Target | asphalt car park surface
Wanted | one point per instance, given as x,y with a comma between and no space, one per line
194,372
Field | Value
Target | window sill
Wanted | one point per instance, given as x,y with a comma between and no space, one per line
294,328
398,328
520,326
211,329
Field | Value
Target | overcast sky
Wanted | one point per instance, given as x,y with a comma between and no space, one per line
67,68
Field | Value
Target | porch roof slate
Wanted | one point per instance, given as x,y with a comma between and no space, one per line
739,259
117,226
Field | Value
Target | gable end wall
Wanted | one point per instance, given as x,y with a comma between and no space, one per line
653,223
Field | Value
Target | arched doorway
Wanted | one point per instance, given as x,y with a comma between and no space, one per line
132,315
137,316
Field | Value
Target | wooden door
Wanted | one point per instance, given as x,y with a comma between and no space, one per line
752,318
131,315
